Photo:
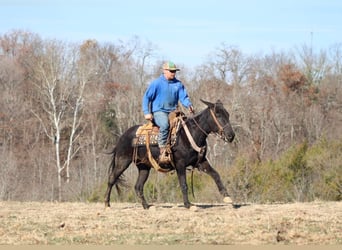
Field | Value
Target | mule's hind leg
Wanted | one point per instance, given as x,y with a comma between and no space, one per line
114,177
110,184
144,172
208,169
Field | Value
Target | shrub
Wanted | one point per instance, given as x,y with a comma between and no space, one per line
326,159
301,173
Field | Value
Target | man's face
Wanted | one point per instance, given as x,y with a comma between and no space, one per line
169,74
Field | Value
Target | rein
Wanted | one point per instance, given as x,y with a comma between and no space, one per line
220,127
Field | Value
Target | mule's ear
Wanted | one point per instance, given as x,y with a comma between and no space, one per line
209,104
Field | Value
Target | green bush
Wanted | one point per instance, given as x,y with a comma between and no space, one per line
302,173
325,157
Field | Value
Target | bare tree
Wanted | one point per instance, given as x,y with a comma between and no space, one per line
61,101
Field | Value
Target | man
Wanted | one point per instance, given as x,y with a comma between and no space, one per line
161,98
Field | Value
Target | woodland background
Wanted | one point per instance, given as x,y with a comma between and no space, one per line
63,106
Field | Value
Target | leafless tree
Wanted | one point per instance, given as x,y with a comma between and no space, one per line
60,84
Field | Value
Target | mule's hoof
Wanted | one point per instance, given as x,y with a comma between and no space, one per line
227,199
152,208
193,208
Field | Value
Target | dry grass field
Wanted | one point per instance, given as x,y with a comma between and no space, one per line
34,223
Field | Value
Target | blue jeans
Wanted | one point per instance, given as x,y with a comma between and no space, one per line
162,121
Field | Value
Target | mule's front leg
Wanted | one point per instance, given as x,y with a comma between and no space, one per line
184,187
139,186
208,169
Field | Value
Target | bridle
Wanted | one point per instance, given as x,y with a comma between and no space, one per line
201,150
221,128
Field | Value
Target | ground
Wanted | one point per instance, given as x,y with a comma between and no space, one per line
316,223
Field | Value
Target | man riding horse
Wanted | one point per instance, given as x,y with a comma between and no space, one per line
160,99
188,149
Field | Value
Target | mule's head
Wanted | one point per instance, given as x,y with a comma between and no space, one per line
220,119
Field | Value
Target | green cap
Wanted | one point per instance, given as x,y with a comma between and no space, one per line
170,66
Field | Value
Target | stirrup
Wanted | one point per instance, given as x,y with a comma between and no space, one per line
164,159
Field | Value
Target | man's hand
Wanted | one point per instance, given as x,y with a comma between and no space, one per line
149,117
191,110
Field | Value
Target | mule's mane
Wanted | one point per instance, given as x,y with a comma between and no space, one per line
202,111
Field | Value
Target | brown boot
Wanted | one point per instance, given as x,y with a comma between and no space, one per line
164,157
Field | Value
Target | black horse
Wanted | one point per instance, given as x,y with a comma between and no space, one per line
189,149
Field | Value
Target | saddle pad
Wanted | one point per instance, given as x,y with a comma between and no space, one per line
146,130
140,140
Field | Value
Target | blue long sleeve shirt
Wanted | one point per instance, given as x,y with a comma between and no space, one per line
163,95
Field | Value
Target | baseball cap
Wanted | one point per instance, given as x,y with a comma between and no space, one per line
170,66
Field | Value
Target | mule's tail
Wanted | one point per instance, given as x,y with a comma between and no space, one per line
112,163
118,181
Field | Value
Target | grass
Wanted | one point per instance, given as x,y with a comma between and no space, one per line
34,223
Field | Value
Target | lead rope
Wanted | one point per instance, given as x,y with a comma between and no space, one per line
200,150
190,138
192,183
195,147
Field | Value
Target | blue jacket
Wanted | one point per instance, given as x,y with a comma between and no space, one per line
163,95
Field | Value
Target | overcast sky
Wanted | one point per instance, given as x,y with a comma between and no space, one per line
184,31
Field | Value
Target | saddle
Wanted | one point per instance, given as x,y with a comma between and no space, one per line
147,135
148,129
149,132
